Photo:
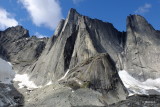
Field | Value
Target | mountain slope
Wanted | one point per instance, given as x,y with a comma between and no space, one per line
19,48
77,39
93,82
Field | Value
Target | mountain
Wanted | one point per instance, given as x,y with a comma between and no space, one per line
87,62
142,49
19,48
78,39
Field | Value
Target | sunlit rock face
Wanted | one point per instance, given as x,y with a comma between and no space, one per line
142,49
76,39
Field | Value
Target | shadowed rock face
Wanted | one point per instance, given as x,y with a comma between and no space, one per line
20,49
9,96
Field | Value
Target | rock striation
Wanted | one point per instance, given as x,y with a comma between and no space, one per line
76,39
19,48
142,49
98,73
93,82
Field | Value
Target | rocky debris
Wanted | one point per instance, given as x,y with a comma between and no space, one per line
61,96
139,101
9,96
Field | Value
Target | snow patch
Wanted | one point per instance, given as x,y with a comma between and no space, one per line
64,75
24,81
49,83
6,72
136,87
7,75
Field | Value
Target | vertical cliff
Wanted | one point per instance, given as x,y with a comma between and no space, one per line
76,39
142,49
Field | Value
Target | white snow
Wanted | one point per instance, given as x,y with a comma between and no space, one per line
64,75
24,81
49,83
78,81
7,75
6,72
136,87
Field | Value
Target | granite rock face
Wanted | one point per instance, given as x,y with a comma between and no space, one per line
76,39
92,83
142,49
19,48
98,73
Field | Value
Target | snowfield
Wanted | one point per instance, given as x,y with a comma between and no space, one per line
24,81
7,75
6,72
136,87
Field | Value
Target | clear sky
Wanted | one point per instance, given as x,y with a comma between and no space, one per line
41,17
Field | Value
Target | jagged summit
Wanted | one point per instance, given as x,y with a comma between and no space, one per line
77,38
17,32
72,15
139,23
142,48
75,17
72,12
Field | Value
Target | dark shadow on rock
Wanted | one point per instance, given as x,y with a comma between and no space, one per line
10,96
4,54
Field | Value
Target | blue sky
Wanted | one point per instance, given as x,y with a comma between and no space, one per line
41,17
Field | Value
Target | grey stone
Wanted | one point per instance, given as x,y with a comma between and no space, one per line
75,40
98,73
142,49
19,48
